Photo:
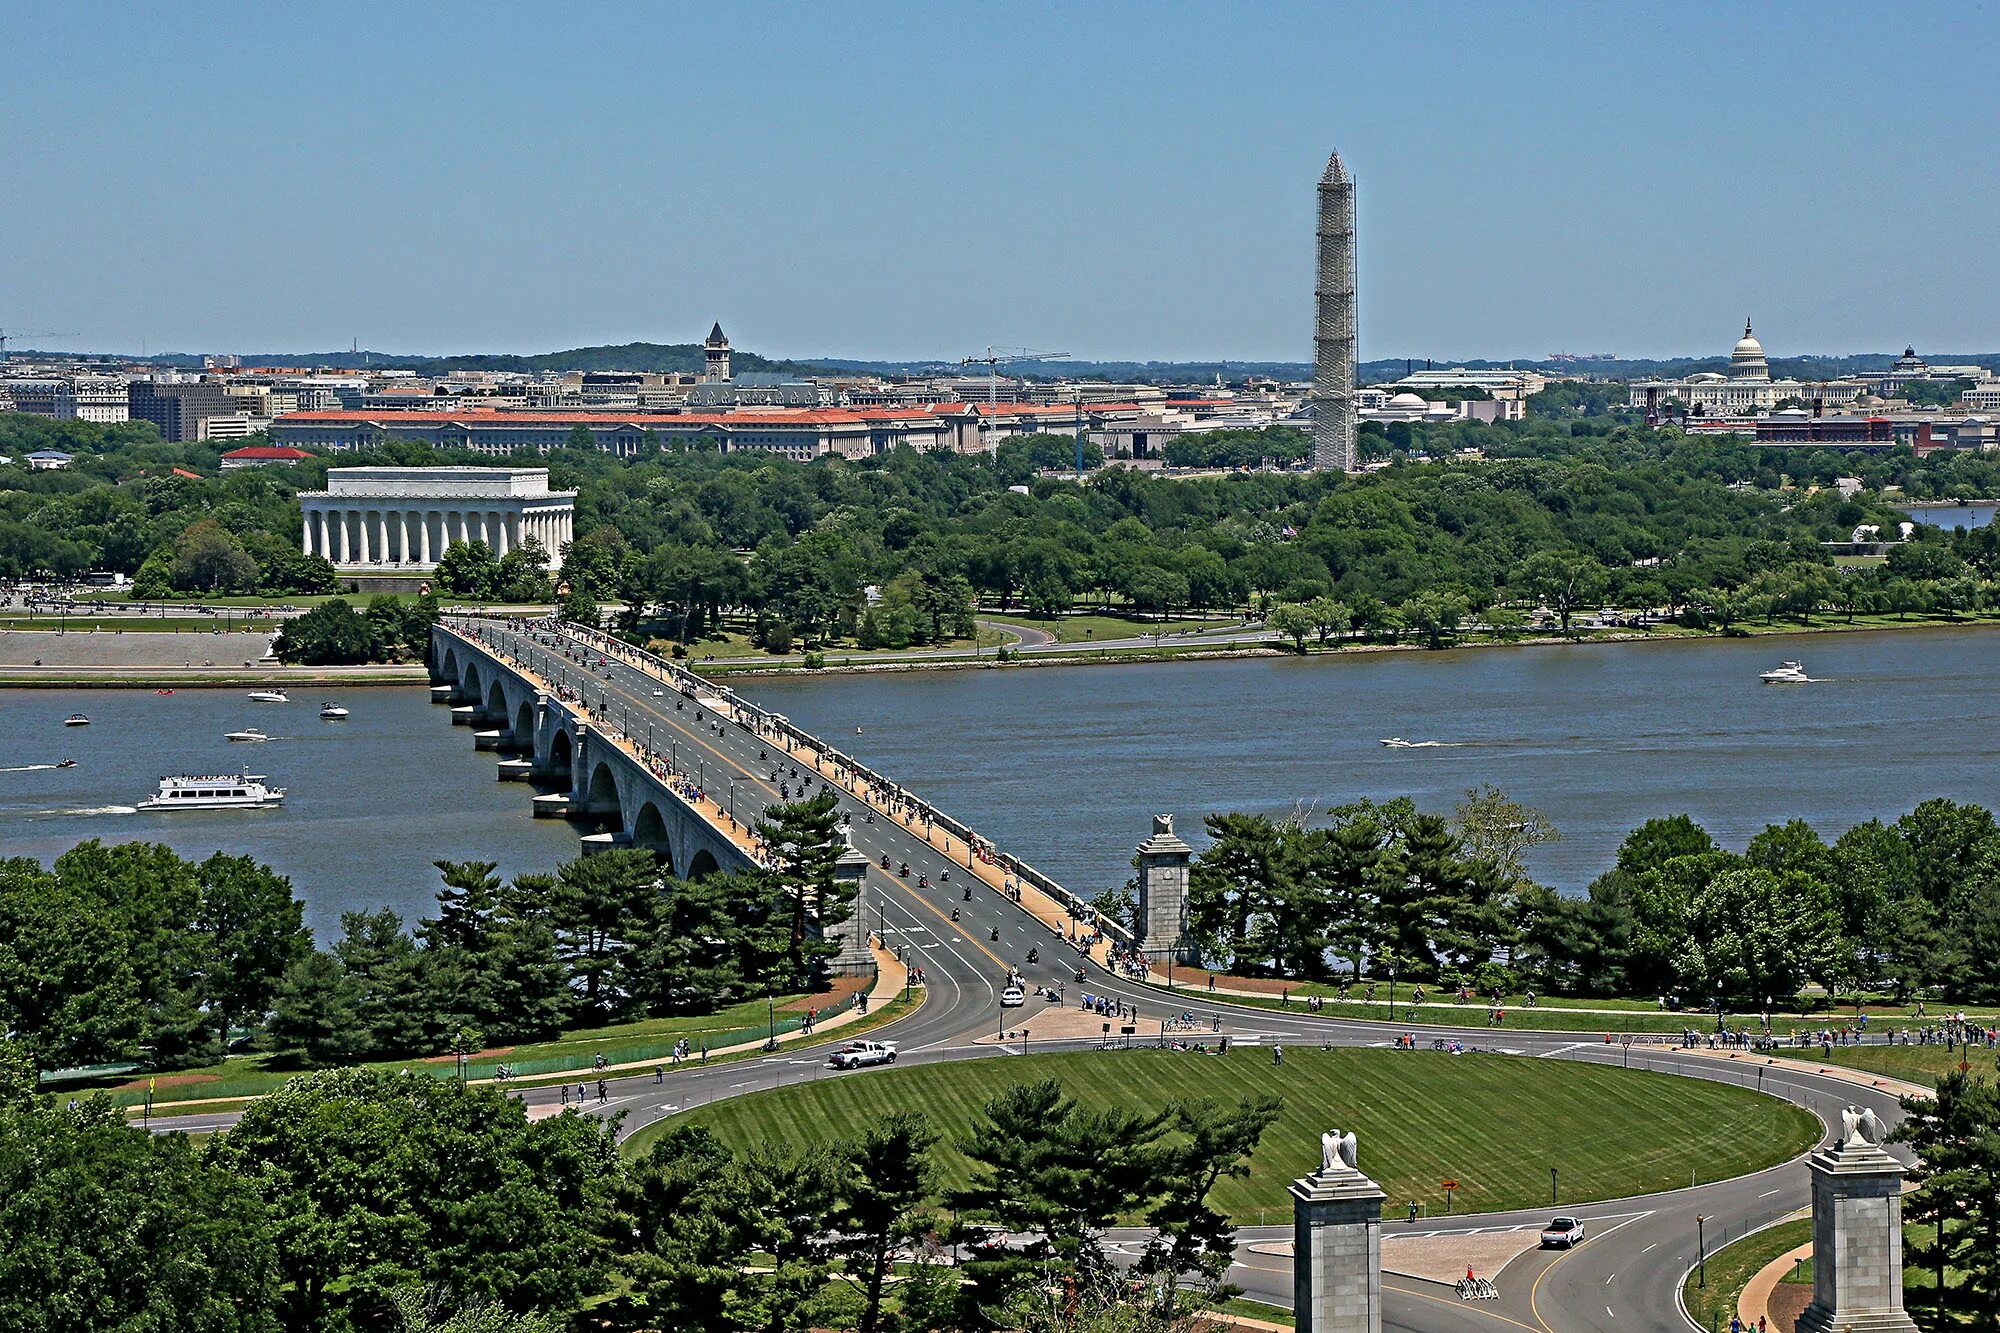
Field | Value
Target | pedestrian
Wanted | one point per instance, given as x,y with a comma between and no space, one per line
603,1092
563,1091
1735,1324
659,1073
582,1092
1277,1055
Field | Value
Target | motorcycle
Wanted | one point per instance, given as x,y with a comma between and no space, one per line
885,862
923,881
968,895
1079,974
996,932
945,878
1034,955
954,914
904,870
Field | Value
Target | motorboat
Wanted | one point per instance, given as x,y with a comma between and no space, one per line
76,720
67,763
269,697
1786,673
1398,743
163,692
331,711
247,734
239,791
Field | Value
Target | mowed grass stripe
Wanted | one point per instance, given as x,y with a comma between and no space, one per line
1494,1124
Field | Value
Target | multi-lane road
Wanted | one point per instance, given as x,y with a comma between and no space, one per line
1622,1279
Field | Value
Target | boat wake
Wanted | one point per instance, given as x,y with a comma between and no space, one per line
27,768
99,810
1398,743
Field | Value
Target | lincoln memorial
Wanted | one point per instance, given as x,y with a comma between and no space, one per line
402,518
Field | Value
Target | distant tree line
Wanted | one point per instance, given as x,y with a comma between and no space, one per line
1718,530
1912,905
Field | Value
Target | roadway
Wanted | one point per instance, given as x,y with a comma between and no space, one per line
1623,1278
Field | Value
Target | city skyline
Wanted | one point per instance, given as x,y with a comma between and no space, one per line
1117,183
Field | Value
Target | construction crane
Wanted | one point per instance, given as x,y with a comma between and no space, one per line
9,335
997,357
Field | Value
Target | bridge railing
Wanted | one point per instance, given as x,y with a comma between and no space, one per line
778,724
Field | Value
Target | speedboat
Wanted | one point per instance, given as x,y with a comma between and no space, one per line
269,697
247,734
1398,743
240,791
1786,673
67,763
332,711
163,691
76,720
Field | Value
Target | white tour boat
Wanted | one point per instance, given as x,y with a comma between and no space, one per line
332,711
269,697
239,791
1786,673
247,734
76,720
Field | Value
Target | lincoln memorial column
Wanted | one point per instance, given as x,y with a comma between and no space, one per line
362,542
424,537
383,555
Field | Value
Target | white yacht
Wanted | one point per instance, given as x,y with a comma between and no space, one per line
332,711
269,697
76,720
1398,743
247,734
239,791
1786,673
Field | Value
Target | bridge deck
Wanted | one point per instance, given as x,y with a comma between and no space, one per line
727,750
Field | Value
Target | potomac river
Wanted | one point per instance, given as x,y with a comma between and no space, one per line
1065,765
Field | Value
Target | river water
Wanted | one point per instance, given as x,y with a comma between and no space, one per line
371,801
1065,765
1949,516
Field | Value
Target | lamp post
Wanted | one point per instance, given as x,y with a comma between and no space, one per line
1552,1187
1701,1251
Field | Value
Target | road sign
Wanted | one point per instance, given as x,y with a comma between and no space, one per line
1449,1184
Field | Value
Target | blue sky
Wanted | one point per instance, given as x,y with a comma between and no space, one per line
1114,180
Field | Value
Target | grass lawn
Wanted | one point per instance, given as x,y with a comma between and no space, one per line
1569,1014
1421,1118
1917,1064
254,1075
1082,628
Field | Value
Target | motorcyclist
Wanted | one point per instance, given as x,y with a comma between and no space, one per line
945,878
954,914
904,870
1034,955
968,895
923,881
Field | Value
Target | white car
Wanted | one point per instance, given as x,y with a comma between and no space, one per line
861,1054
1563,1233
1012,998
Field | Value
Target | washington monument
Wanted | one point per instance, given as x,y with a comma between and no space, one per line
1333,327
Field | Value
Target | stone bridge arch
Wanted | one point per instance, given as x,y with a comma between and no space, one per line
449,667
524,727
649,830
603,802
496,702
702,865
473,686
560,764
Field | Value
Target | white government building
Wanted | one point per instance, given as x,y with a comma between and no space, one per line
1746,390
398,519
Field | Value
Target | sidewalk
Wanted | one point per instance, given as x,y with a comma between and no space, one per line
1755,1301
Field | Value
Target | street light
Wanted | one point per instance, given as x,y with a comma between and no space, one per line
1552,1187
1701,1251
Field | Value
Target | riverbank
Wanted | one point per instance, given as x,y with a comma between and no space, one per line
1107,655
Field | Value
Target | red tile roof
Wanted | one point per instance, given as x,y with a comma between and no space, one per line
271,452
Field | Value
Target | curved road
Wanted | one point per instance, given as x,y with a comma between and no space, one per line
1622,1279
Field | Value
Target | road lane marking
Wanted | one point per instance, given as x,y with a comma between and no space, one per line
1767,1194
1653,1246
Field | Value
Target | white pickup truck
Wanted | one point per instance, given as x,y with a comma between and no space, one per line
1562,1233
861,1054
